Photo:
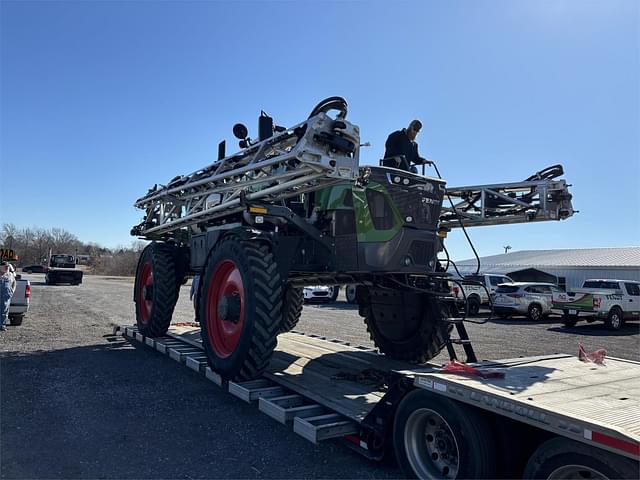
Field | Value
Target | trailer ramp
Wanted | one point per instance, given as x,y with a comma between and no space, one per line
322,387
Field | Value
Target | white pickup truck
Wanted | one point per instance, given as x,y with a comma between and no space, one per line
612,301
477,289
475,294
20,301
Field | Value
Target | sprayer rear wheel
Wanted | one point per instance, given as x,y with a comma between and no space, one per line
404,325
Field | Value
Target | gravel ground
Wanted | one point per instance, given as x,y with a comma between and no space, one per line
78,402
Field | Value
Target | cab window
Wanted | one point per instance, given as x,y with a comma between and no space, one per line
601,284
474,278
632,289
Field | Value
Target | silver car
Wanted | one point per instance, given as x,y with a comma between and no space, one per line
524,298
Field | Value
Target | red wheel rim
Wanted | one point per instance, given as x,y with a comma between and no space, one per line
224,329
145,282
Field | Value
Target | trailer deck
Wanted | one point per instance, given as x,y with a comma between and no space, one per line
326,388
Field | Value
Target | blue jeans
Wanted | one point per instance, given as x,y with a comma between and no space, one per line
5,300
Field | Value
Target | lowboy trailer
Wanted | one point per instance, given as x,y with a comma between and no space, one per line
532,417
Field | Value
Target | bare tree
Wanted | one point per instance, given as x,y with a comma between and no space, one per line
33,245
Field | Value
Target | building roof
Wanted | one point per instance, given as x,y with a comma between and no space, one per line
616,257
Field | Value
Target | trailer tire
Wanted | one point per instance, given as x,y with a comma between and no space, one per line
564,458
240,308
473,305
404,325
615,319
435,437
16,319
291,309
155,292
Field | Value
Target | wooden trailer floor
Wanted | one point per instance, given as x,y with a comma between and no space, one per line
345,378
559,393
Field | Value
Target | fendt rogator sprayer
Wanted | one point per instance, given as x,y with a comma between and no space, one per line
293,208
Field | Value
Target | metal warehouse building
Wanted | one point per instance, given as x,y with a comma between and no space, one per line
567,267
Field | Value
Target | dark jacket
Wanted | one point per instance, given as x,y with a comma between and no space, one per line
398,143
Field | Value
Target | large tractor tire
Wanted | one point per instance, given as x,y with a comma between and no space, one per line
404,325
156,289
240,308
291,309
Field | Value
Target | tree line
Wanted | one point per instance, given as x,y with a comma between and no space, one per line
32,245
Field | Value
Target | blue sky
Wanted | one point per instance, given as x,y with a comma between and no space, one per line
100,100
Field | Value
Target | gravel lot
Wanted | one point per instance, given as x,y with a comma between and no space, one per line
80,403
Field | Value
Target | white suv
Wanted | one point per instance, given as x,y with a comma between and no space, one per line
524,298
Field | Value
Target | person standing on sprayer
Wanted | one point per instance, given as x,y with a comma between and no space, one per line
401,149
7,287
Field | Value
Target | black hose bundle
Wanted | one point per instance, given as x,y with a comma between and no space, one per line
331,103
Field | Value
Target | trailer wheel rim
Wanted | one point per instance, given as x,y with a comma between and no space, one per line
578,472
225,309
144,290
431,446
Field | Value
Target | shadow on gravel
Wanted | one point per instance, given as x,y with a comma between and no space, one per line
122,410
598,330
332,306
525,321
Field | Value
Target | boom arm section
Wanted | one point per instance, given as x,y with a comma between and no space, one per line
312,155
539,198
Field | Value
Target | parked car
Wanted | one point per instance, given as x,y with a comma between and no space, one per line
470,292
35,269
535,300
490,281
611,301
20,301
320,293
